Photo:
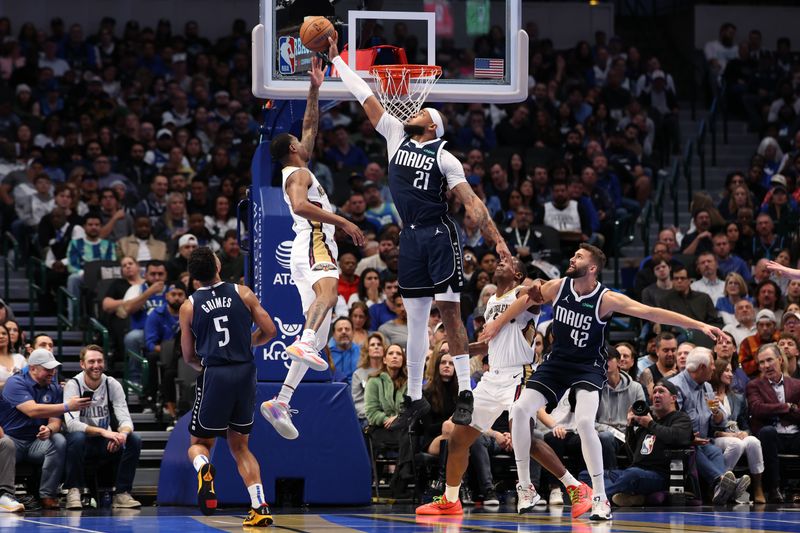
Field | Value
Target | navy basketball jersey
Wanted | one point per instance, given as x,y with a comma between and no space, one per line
221,324
417,183
579,331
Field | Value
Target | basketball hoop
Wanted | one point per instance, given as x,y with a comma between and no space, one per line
402,89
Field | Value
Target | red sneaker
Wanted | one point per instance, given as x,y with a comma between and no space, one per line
581,498
440,506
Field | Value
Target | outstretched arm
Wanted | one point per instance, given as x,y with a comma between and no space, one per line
786,272
480,213
619,303
311,117
491,329
354,83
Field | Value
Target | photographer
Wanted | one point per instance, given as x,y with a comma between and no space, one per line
649,435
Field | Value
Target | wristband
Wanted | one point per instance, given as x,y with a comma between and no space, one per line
66,407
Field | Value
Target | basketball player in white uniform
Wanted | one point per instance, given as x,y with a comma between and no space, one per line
510,360
314,254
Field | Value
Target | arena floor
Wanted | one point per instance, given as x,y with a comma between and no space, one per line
385,518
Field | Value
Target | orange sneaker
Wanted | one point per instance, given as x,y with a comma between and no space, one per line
581,498
440,506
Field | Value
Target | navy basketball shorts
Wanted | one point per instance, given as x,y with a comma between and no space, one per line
554,377
430,259
225,399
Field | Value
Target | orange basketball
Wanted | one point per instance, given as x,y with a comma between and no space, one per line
315,32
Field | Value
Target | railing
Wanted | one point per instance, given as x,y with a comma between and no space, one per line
64,301
37,272
127,383
95,328
9,244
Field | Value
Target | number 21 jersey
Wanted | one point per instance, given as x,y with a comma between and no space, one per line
221,325
579,332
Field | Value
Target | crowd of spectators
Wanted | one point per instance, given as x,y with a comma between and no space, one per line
133,147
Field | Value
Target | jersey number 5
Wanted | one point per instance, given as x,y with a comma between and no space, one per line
225,332
421,181
579,338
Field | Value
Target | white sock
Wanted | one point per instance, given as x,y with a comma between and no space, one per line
568,480
418,310
586,405
293,378
256,495
451,493
199,461
309,337
461,364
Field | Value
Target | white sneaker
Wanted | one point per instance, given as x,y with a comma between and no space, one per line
9,504
527,499
308,354
741,495
74,499
124,500
556,498
279,415
601,509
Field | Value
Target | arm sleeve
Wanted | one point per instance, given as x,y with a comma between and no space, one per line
119,405
358,87
392,130
452,169
73,418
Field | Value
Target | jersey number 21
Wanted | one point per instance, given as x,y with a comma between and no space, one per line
421,181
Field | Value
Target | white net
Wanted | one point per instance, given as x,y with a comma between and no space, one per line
402,89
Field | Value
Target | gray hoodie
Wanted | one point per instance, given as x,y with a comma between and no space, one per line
614,403
97,414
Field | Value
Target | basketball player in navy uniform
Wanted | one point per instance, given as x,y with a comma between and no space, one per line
421,171
508,315
314,254
216,339
582,307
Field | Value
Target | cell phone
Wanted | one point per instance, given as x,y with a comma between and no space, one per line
87,394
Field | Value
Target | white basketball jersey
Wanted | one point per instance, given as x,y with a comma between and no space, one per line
567,219
508,348
318,197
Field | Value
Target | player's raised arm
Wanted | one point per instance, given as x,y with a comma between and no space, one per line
616,302
311,116
480,213
777,268
354,83
187,337
265,330
297,190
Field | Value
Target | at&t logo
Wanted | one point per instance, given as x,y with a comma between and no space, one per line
283,256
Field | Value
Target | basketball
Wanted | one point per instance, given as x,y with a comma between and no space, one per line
315,32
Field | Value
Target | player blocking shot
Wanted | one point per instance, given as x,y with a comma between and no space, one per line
508,315
582,307
420,172
216,339
314,254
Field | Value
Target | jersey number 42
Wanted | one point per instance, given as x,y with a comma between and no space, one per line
579,337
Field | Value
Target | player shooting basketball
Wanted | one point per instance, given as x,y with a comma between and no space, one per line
420,173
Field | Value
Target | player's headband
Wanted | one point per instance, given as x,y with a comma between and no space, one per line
437,119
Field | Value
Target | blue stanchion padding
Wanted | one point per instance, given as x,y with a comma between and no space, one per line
329,455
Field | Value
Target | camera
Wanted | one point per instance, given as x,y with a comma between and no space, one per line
640,408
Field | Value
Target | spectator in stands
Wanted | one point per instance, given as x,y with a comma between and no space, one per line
44,342
727,261
114,303
142,246
141,300
370,363
396,330
565,216
101,432
735,290
616,398
515,130
187,243
693,393
16,338
726,349
790,350
709,283
344,153
777,205
790,324
199,201
197,229
476,133
377,208
720,51
83,250
765,333
344,352
765,244
8,461
690,303
386,242
768,296
159,155
231,258
745,325
650,436
34,206
655,293
734,439
773,399
664,368
30,414
359,316
161,326
10,362
348,280
519,234
221,221
356,209
154,205
369,291
699,240
135,168
174,222
382,312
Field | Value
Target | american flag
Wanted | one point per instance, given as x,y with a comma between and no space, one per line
489,68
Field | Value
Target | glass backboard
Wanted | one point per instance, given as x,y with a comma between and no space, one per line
478,43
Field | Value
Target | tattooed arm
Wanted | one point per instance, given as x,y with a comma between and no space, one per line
311,117
480,213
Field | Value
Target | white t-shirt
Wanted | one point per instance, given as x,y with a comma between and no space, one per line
508,348
18,362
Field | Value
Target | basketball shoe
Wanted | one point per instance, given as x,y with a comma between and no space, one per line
308,354
261,517
440,506
527,498
279,415
206,496
463,413
411,412
580,497
601,509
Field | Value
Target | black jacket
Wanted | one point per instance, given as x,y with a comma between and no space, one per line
649,445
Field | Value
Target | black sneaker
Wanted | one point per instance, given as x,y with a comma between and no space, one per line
206,496
463,413
465,495
490,498
412,411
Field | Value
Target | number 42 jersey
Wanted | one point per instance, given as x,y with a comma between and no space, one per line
221,323
579,331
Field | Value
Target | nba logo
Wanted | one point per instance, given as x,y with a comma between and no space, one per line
286,55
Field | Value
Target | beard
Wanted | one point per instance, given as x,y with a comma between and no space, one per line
577,272
175,306
413,129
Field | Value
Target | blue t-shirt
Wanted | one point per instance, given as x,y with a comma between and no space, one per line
19,389
379,314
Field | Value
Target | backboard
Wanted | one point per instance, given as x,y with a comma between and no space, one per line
478,43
